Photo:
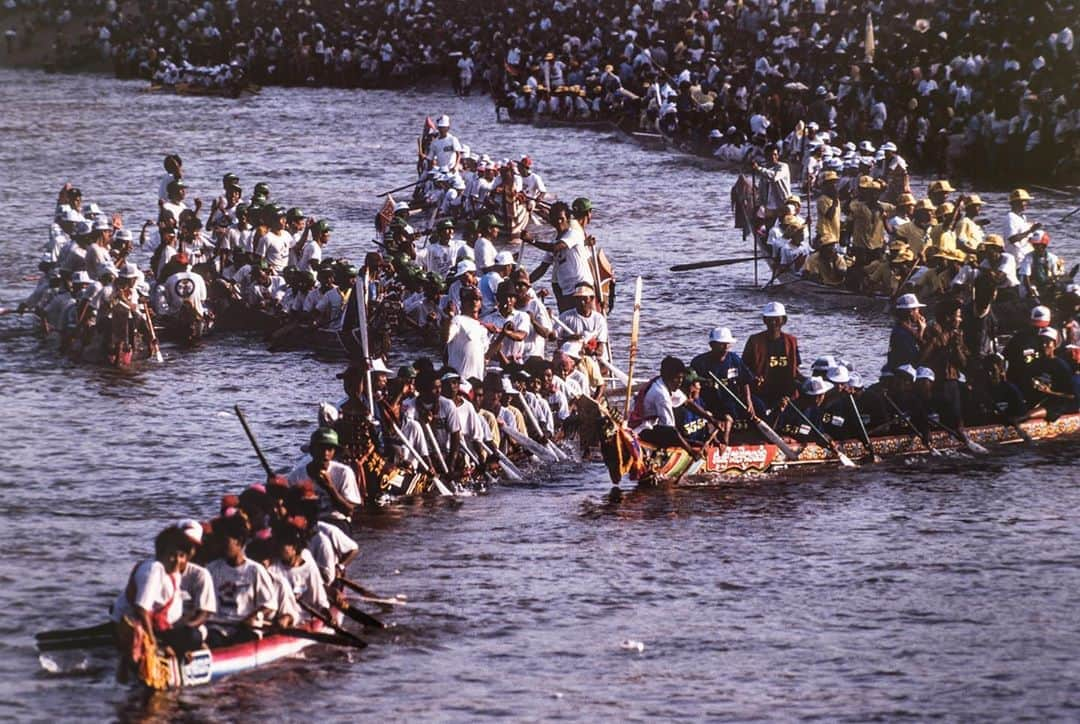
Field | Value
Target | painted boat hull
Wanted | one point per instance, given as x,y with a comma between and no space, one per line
672,464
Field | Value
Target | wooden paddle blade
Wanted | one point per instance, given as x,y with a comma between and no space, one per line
83,642
775,439
71,633
845,460
324,638
360,617
710,263
976,447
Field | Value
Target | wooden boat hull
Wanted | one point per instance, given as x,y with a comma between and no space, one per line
672,464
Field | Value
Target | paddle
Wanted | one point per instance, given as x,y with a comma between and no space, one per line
508,466
316,613
439,485
73,633
399,188
529,444
323,638
366,594
82,642
635,323
711,263
153,334
360,617
254,443
829,442
925,437
862,430
763,427
960,437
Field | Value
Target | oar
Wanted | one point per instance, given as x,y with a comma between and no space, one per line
366,594
323,638
153,334
960,437
711,263
439,485
1070,214
316,613
73,633
635,323
254,443
529,444
360,617
763,427
829,442
400,188
82,642
907,421
508,466
862,430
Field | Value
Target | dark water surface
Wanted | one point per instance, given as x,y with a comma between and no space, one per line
914,589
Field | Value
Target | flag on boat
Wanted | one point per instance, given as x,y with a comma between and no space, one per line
385,215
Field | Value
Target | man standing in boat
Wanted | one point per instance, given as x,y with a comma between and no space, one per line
720,363
773,357
775,183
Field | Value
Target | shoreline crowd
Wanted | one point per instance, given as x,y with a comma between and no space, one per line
968,90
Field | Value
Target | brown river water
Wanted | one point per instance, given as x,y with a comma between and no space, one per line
913,589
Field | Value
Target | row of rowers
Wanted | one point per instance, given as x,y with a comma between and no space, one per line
941,374
923,246
265,562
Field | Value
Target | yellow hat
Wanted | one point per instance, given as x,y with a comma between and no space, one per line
1019,195
924,205
793,222
993,240
897,245
904,255
830,176
793,200
973,200
942,185
946,209
549,56
865,182
953,255
905,200
609,68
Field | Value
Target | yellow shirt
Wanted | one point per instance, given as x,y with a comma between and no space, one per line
880,278
868,225
915,237
942,238
817,268
828,225
969,232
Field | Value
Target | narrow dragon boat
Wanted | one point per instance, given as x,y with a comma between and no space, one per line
206,666
669,465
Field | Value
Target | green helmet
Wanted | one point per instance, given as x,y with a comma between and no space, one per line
581,206
294,214
262,189
488,221
323,226
324,437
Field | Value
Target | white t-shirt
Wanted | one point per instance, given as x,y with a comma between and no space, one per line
466,346
175,208
305,581
155,590
1017,224
570,266
183,287
535,345
312,255
484,253
445,150
240,590
660,405
327,546
329,308
197,590
274,247
519,322
341,477
593,326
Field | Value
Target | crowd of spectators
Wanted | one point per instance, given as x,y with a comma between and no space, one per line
982,87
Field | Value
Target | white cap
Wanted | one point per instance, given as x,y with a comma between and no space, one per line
508,387
855,380
1049,332
1040,316
824,363
888,146
464,266
192,529
571,349
838,375
908,370
101,225
504,257
816,386
129,271
71,215
909,301
924,373
465,386
715,133
401,206
124,235
774,309
80,277
443,122
377,365
721,335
